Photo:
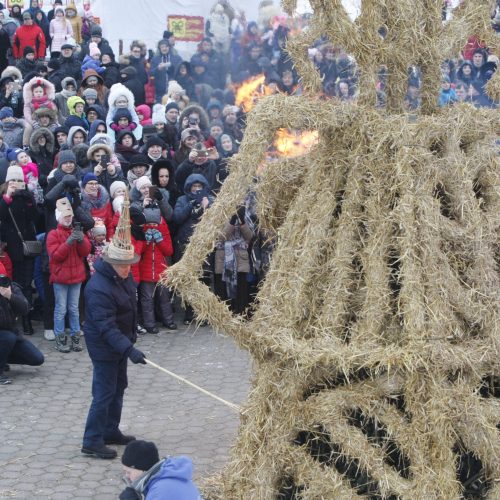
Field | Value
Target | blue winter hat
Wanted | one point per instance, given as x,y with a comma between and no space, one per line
12,153
6,112
87,178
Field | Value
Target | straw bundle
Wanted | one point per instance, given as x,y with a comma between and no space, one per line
376,332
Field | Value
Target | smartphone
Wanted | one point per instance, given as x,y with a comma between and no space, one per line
152,192
203,153
105,159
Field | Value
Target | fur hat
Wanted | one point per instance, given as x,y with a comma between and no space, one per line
94,49
115,186
140,455
139,160
44,111
119,90
100,141
142,181
174,88
189,132
154,140
158,114
172,105
14,173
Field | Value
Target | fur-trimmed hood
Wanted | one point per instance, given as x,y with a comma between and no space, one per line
51,113
39,132
69,80
197,109
50,90
100,141
12,72
117,90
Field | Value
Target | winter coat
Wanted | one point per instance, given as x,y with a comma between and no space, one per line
4,48
201,113
10,309
76,22
111,74
9,24
31,104
15,99
16,134
187,212
145,111
89,63
153,255
209,170
110,314
25,66
106,179
162,76
134,84
60,31
70,66
65,260
56,78
23,208
173,480
242,257
61,99
103,46
29,36
43,157
139,65
99,207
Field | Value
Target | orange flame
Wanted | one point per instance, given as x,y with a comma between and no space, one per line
293,143
250,91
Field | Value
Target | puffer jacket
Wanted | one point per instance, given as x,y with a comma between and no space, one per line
153,255
110,314
65,260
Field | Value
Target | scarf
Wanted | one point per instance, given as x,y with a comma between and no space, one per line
44,101
68,93
230,269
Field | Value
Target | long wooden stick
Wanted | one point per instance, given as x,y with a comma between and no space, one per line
182,379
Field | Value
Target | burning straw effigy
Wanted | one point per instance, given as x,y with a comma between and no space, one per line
376,332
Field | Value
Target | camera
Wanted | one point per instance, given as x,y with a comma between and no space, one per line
105,159
4,281
193,121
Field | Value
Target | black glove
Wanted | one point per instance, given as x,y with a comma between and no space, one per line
233,220
137,356
69,181
129,494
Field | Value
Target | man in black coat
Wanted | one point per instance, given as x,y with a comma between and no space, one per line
14,348
69,65
96,37
110,333
130,79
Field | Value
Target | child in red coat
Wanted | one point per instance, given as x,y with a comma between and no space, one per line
156,247
67,248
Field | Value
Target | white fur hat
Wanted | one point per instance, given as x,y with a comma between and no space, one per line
158,114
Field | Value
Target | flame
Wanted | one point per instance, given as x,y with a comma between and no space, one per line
292,143
250,91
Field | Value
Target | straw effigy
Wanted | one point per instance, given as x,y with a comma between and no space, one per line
376,331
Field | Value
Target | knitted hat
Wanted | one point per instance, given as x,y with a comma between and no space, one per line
96,31
87,178
14,173
27,15
215,123
63,208
28,50
155,141
54,64
142,181
122,113
99,227
140,455
118,203
66,156
115,186
139,161
94,49
90,93
172,105
6,112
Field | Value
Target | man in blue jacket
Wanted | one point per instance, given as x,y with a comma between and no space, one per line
154,479
110,333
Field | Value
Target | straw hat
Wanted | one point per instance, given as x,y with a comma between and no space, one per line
120,249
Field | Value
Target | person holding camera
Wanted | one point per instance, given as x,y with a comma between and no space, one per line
154,252
106,168
187,213
96,200
200,161
18,214
67,247
14,349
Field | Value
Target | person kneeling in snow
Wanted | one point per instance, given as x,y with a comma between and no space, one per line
151,478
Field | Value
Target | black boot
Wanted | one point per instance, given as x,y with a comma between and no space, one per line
27,327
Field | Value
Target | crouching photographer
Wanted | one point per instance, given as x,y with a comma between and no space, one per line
14,348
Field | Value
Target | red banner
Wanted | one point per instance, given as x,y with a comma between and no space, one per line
187,28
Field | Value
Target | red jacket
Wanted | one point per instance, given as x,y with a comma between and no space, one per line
153,262
28,36
66,261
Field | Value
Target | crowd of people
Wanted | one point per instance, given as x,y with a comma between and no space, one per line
82,130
